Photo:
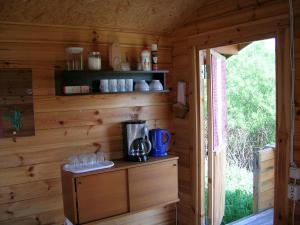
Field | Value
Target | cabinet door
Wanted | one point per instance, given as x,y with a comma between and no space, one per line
153,185
102,195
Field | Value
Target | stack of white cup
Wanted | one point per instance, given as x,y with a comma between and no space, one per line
116,85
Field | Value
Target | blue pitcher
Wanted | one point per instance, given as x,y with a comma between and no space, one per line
160,140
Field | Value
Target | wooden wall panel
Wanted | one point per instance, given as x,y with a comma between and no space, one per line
297,100
237,16
263,179
68,35
30,187
26,191
184,129
48,217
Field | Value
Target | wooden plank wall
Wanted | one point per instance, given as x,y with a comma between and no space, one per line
30,187
297,99
263,179
219,23
184,136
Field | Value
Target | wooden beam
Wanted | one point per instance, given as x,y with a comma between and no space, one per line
228,50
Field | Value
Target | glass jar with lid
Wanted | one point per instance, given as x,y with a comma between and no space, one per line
74,58
94,61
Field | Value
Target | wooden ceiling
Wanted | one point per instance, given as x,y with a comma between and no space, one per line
156,16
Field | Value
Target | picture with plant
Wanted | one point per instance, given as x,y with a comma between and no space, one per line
15,116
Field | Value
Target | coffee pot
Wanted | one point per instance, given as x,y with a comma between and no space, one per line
136,143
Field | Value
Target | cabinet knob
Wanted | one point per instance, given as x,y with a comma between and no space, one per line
174,164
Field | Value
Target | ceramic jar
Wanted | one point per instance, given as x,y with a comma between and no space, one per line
74,58
146,59
94,61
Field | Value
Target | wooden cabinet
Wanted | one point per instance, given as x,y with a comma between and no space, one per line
125,188
152,185
99,193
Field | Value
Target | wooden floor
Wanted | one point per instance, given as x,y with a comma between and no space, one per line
263,218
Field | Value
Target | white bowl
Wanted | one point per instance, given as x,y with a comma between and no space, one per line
155,85
141,85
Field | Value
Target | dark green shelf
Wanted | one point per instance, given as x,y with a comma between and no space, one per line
92,79
113,72
111,93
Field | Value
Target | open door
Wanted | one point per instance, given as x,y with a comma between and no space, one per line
217,134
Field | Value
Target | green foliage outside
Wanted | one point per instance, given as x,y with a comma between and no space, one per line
239,204
238,194
251,95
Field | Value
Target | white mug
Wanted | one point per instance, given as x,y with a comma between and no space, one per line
128,85
112,85
121,85
104,86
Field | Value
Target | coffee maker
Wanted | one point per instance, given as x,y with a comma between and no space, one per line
136,143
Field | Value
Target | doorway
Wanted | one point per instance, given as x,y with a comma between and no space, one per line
240,124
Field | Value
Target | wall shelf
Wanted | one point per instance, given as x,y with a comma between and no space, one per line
92,79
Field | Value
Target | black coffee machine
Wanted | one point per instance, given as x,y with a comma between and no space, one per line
136,143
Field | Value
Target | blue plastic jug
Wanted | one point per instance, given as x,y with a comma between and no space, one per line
160,140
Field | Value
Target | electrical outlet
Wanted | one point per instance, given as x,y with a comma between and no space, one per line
294,192
294,172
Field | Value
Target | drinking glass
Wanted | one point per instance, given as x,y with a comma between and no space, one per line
104,86
128,85
73,161
112,85
121,85
100,157
83,159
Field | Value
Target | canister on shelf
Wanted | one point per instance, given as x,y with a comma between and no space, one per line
74,58
94,61
154,57
146,59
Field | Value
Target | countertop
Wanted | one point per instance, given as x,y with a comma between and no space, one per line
123,164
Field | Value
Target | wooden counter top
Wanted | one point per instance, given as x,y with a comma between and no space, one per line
123,164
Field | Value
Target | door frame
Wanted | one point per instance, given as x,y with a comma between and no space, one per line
283,110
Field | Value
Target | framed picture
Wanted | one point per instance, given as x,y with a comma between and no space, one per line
16,103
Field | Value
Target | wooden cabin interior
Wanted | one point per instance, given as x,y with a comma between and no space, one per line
34,35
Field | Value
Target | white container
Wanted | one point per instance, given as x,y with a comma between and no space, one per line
155,85
104,86
141,85
94,61
71,90
146,59
125,66
129,85
121,85
115,56
139,66
74,58
113,85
